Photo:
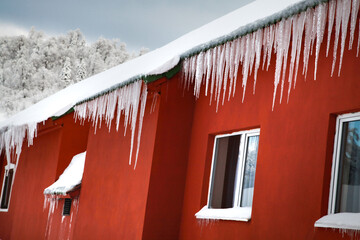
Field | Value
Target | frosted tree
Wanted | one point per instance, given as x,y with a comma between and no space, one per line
80,70
66,71
35,66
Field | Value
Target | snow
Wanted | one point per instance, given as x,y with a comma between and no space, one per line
242,30
236,213
340,220
247,49
70,178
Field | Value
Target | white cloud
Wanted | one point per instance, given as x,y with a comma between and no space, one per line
11,29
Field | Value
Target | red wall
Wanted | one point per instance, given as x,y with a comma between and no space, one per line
294,159
36,170
167,181
113,194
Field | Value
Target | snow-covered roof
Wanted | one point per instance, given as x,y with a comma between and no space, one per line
70,179
242,21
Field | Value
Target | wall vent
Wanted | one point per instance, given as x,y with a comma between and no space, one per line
67,207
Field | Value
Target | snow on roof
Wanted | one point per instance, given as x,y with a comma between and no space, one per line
340,221
245,20
242,21
70,178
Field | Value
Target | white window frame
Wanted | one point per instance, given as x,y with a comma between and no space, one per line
7,167
341,119
236,213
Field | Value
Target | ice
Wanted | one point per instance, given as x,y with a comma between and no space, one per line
286,44
246,62
232,67
307,44
346,8
205,58
339,13
304,30
320,28
220,74
258,47
297,30
141,119
227,68
331,17
127,100
354,13
208,69
199,74
279,35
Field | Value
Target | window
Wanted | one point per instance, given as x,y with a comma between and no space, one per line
6,186
345,181
232,177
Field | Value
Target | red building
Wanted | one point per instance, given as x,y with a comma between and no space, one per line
187,153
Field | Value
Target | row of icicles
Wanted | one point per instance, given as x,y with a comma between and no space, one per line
217,68
126,101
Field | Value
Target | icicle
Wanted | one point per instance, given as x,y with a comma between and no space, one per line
246,63
227,68
141,119
127,100
270,44
339,13
285,46
308,35
346,8
232,66
153,103
199,74
354,13
294,48
237,61
279,56
258,45
208,69
320,28
331,17
220,75
213,72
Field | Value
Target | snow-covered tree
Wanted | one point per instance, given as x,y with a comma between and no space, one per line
35,66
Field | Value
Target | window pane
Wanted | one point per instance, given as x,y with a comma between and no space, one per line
348,188
6,190
224,172
249,174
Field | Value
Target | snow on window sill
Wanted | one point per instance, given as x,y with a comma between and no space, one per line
349,221
235,214
4,210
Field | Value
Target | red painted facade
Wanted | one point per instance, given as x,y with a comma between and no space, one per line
158,200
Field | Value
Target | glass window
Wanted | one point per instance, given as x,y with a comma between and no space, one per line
233,170
6,187
346,175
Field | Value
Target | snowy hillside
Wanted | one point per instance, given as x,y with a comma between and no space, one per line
35,66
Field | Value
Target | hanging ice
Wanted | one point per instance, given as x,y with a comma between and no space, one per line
126,99
223,61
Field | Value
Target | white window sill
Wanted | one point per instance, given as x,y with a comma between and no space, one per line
349,221
235,214
4,210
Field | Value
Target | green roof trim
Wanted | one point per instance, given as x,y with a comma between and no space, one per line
66,113
169,74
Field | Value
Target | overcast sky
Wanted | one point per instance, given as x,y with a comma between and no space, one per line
138,23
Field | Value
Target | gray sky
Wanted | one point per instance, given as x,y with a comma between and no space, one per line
138,23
